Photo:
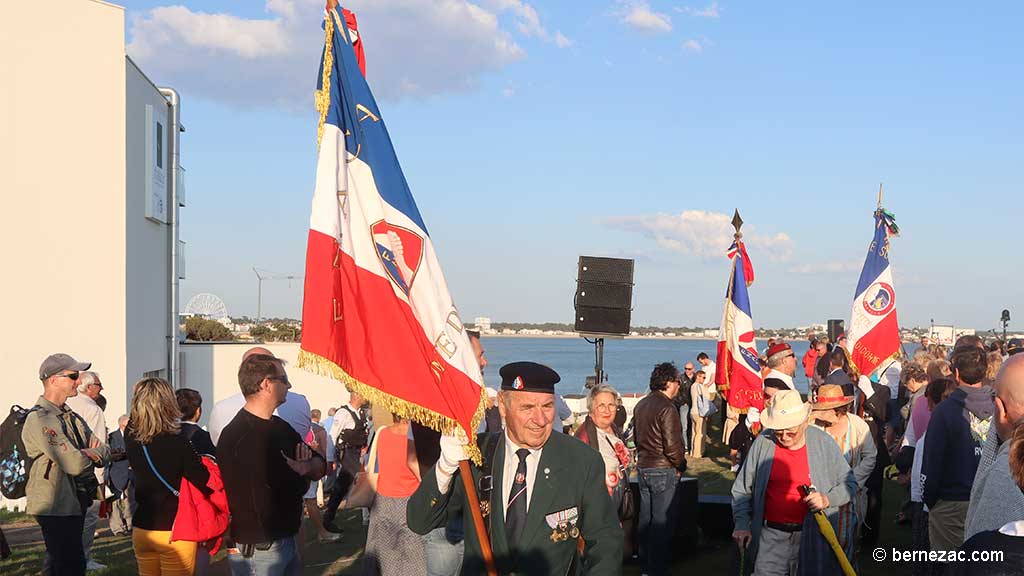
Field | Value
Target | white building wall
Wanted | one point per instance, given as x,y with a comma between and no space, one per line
62,182
147,253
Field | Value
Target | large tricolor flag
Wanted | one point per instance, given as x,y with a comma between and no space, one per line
874,333
739,374
377,314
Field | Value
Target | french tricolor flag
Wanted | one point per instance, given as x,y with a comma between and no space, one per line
874,333
739,374
377,314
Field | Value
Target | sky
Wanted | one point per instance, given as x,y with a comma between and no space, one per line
532,133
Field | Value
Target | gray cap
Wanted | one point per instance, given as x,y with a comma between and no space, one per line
56,363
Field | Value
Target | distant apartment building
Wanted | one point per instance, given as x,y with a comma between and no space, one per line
482,324
86,167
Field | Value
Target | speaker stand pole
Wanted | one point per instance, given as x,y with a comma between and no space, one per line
599,360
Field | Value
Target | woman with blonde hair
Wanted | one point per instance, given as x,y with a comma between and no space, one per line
160,457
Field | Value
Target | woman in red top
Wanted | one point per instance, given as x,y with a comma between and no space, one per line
391,548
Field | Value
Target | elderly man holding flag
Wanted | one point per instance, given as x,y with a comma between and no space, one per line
378,316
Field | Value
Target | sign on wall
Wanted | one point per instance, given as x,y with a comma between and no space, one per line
156,166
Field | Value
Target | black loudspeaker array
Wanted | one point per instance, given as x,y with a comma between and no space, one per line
604,295
835,328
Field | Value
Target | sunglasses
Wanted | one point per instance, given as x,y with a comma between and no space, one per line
69,375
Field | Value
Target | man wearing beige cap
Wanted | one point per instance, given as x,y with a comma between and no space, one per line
63,452
771,515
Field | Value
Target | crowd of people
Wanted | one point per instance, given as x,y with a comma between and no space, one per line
946,424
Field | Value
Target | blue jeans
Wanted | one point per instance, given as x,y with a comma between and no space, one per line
659,513
684,418
282,559
444,558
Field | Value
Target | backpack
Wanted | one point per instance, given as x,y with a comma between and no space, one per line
356,437
15,464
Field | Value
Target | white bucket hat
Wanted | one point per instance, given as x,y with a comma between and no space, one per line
787,409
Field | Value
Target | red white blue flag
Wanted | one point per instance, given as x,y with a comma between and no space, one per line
377,314
874,332
738,372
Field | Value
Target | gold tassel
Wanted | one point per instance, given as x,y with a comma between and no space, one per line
322,97
319,365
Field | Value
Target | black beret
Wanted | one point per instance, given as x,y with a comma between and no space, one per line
528,377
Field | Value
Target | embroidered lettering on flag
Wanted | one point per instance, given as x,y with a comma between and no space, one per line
873,335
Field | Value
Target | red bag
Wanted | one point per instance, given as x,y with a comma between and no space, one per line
202,518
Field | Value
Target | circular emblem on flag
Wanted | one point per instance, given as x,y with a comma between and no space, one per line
520,478
879,299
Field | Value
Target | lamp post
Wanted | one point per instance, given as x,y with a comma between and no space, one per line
1005,319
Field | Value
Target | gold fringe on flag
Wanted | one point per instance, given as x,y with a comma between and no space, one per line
322,97
319,365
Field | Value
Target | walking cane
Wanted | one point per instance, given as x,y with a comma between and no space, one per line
830,535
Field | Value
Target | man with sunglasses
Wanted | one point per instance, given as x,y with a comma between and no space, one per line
60,446
85,405
266,467
773,519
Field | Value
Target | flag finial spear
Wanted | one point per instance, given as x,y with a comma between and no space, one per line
879,195
737,222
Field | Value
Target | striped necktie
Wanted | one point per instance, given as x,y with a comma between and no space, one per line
515,516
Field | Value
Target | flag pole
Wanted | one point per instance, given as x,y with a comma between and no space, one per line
879,195
478,520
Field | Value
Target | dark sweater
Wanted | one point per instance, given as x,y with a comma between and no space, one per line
951,454
1011,564
199,438
264,493
173,457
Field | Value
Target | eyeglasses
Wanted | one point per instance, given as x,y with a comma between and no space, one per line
281,379
69,375
791,356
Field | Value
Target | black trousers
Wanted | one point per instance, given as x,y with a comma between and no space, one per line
63,538
347,471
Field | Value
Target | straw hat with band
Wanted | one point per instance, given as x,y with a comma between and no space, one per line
829,396
787,410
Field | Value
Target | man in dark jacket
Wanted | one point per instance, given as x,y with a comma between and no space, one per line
956,431
661,461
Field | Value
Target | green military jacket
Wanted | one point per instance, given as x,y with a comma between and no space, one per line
570,478
51,490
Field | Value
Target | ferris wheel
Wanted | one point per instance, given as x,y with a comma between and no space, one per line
207,305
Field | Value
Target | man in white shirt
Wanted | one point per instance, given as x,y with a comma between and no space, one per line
294,411
84,404
350,434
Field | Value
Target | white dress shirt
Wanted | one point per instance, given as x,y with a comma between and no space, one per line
90,411
508,473
294,411
773,373
343,421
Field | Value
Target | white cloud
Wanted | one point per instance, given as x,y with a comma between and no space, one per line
693,46
703,234
709,11
508,92
273,60
561,41
529,21
639,16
